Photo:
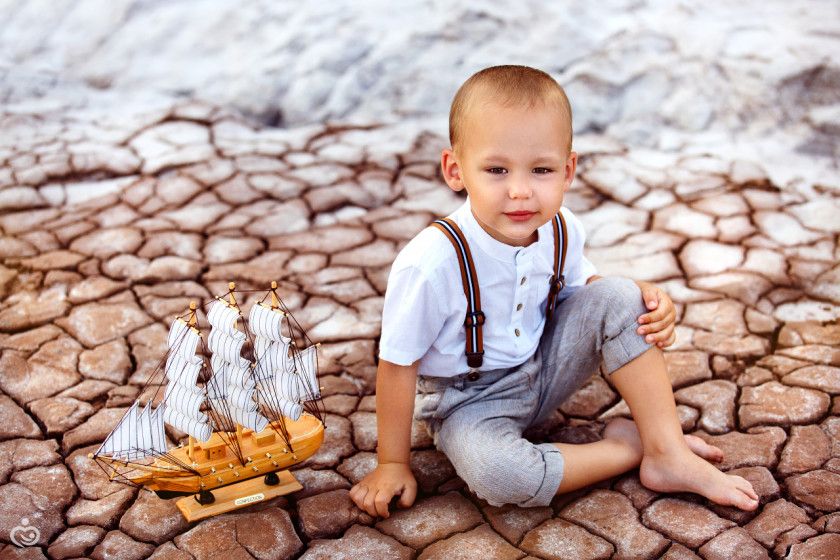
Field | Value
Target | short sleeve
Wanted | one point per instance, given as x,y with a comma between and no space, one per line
411,316
578,268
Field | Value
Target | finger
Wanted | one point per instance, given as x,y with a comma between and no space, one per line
357,494
651,297
661,336
647,321
409,493
671,339
665,313
383,498
369,502
661,312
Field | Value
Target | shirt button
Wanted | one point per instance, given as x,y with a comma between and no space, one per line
519,307
522,282
516,332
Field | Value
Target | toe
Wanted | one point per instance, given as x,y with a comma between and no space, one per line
747,488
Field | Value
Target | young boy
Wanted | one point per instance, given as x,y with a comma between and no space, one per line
511,136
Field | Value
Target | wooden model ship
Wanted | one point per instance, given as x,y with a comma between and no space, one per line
247,418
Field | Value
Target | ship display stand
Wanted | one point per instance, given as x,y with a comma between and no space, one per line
249,416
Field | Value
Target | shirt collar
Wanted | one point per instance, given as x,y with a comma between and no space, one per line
493,247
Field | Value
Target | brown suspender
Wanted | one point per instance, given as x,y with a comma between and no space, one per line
469,280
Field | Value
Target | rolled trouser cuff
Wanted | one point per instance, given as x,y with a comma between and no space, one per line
553,474
624,348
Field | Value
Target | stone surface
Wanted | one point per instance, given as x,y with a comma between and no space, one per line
734,544
822,547
687,523
760,447
512,522
329,514
557,539
118,545
776,518
76,542
431,520
14,422
774,403
123,197
824,378
808,447
818,488
263,534
480,542
612,516
716,401
686,368
153,520
358,542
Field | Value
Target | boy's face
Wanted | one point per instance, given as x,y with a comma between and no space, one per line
513,162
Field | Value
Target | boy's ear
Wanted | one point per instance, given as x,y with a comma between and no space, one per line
569,169
451,170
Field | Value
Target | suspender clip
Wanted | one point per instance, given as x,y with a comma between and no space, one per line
475,359
474,318
556,284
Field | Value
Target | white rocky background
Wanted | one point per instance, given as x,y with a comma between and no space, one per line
150,151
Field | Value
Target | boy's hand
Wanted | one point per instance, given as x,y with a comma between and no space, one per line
658,325
374,492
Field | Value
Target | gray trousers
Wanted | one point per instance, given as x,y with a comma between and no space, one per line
479,424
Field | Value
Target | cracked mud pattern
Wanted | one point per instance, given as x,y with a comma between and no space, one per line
110,226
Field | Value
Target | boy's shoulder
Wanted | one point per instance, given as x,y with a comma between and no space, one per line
428,251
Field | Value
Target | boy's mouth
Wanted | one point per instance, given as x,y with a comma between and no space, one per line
520,215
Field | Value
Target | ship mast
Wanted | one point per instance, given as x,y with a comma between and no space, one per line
233,304
192,323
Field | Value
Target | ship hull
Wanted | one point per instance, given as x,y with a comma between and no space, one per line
266,452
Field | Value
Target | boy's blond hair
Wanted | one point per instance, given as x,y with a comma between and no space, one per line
509,85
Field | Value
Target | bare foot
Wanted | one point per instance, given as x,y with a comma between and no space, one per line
626,430
705,450
683,471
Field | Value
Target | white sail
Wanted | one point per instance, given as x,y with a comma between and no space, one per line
186,400
151,437
268,323
199,428
269,357
158,431
183,370
227,346
249,419
223,317
183,339
137,435
231,389
291,409
117,440
299,381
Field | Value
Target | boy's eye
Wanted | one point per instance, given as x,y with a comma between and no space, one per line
496,170
542,170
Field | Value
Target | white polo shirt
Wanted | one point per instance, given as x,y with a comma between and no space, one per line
425,306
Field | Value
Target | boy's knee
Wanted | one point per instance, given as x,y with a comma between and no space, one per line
616,292
513,488
504,479
615,300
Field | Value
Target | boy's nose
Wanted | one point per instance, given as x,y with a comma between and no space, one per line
519,189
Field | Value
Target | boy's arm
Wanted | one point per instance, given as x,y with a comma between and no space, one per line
395,390
658,325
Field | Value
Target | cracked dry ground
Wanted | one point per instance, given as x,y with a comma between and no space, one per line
110,228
